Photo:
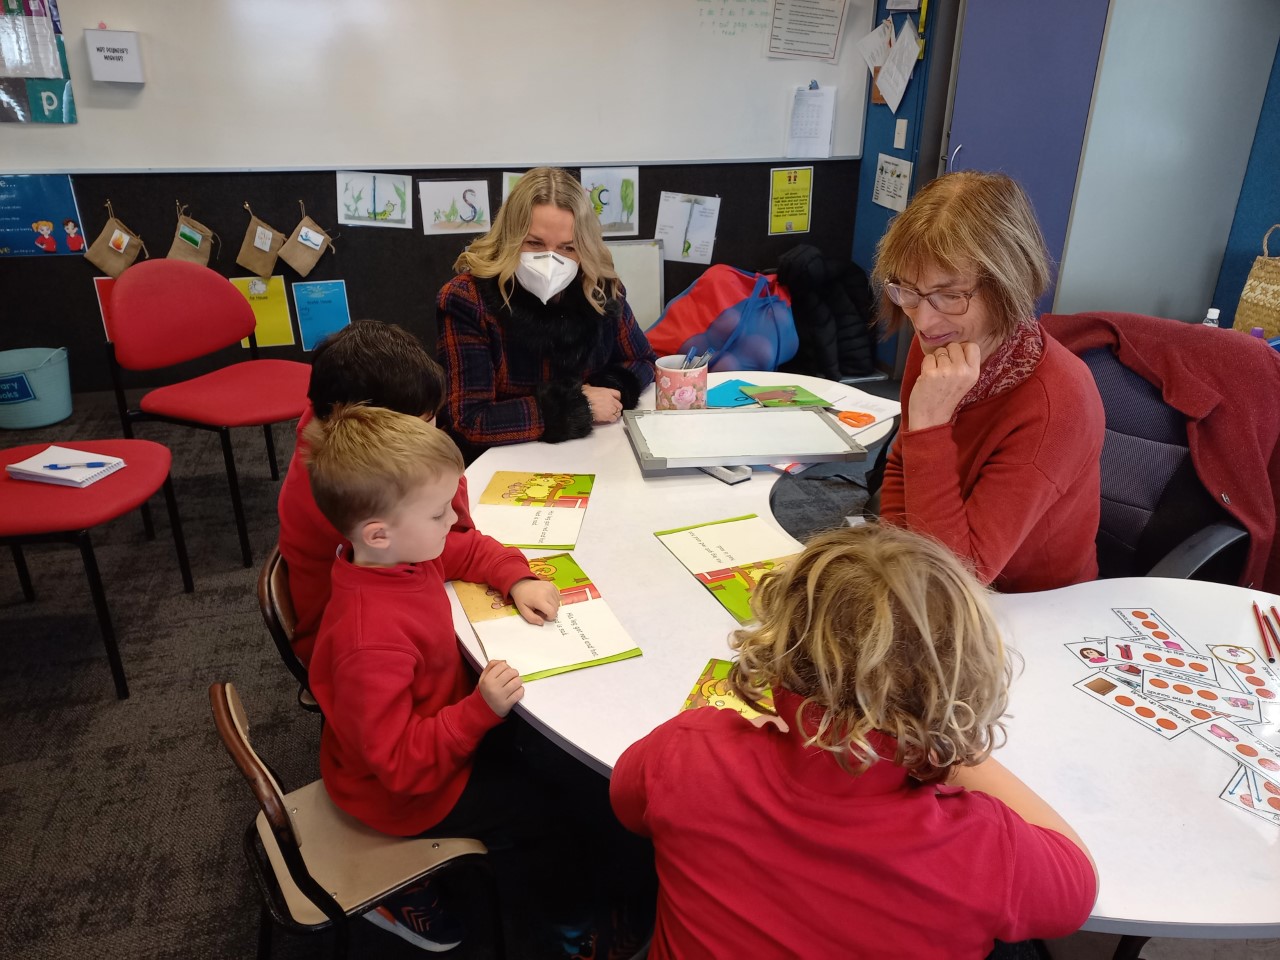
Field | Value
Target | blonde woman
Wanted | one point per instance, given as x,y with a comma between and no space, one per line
535,336
1001,425
875,825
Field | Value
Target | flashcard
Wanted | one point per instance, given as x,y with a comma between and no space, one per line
1242,746
1250,792
1134,705
1147,623
1126,673
1091,650
1159,658
1126,649
1233,703
1248,668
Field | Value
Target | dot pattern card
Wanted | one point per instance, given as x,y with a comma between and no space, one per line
1134,705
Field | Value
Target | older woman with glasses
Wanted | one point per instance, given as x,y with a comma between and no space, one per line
1001,425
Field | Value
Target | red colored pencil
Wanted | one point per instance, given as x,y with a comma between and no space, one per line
1262,632
1275,637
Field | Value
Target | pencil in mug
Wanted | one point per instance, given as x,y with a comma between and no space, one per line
1262,633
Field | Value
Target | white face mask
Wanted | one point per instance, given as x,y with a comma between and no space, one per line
545,274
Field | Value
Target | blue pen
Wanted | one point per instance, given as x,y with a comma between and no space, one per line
688,361
68,466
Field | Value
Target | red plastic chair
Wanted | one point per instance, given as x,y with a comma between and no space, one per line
165,312
34,512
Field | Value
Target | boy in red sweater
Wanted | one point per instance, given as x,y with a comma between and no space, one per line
382,365
404,716
875,803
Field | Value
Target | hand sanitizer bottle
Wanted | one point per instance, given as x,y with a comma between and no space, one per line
1211,318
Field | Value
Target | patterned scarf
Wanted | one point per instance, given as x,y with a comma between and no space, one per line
1009,364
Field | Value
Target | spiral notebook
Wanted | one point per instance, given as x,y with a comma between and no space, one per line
65,466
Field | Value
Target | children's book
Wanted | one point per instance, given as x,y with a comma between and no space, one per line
784,396
585,632
64,466
540,511
713,689
730,556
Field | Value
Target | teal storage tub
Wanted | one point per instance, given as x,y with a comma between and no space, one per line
35,387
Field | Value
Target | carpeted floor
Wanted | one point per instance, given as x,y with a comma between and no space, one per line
123,818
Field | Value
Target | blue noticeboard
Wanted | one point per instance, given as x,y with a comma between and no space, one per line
321,306
39,216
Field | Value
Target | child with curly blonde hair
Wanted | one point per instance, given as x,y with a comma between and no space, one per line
876,823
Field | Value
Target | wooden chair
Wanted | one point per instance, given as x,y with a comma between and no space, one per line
33,512
276,604
317,867
166,312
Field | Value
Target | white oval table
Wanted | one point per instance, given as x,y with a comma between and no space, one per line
1175,860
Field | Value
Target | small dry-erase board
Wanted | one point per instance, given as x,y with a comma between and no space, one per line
668,439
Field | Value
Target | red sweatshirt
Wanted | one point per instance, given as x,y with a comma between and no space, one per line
402,712
309,542
766,848
1011,483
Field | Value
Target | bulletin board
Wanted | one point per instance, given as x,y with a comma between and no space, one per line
330,84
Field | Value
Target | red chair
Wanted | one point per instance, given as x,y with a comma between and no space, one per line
165,312
34,512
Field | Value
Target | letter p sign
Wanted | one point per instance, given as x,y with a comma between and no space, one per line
51,101
48,102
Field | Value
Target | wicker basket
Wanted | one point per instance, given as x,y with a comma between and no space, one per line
1260,299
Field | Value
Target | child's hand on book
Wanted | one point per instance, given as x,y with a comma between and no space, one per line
537,600
501,686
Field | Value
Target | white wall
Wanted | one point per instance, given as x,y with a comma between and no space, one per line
271,84
1177,99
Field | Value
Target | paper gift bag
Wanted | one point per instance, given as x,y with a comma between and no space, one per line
305,246
116,247
192,240
1260,299
260,248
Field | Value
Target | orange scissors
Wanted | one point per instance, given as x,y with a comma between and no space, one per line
854,418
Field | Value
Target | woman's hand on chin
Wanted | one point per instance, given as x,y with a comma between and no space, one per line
946,375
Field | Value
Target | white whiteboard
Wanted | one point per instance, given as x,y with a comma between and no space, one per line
639,265
336,84
665,439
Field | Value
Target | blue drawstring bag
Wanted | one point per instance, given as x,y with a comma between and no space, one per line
757,333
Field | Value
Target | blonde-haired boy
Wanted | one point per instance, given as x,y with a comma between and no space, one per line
403,715
890,680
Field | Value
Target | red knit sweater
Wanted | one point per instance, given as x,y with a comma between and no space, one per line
767,848
1011,483
309,542
402,712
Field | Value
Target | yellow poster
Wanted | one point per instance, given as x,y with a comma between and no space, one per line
790,199
271,307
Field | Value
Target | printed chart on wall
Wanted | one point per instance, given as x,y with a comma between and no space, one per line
615,197
455,206
585,632
790,199
1224,694
687,226
374,199
321,306
538,511
270,306
39,216
729,557
35,82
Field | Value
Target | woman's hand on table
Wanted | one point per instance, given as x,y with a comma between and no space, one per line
606,403
946,375
501,686
537,600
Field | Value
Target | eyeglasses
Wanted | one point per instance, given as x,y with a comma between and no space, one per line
951,302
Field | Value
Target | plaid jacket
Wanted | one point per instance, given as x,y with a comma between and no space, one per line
515,372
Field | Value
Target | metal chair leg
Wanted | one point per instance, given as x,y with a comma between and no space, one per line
104,615
237,507
148,528
24,575
271,451
179,542
1130,947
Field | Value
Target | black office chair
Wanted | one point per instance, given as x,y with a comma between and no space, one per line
1157,518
